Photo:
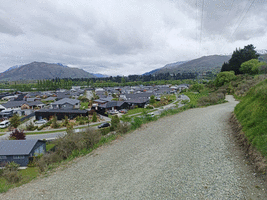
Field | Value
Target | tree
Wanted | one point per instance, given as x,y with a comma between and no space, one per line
224,77
17,135
54,122
94,119
152,99
251,67
115,120
14,121
238,57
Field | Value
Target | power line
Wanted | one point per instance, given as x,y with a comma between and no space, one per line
243,18
239,19
201,25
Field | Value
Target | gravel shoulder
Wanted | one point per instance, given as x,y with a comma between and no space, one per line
189,155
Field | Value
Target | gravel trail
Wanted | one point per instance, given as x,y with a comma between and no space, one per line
190,155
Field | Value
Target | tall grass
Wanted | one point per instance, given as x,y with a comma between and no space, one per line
251,112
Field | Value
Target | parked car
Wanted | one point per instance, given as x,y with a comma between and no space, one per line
41,121
103,125
112,112
123,111
4,124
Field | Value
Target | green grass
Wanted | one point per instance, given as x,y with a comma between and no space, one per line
49,146
84,105
251,112
195,96
3,130
27,175
61,130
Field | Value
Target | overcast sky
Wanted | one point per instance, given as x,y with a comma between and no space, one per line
122,37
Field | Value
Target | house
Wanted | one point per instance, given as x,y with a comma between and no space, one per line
20,151
140,102
32,105
112,105
59,113
13,104
66,103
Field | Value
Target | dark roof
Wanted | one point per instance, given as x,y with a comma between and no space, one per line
11,104
16,147
138,95
34,103
61,111
138,100
66,100
112,104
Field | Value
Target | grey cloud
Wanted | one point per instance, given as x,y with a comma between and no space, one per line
8,28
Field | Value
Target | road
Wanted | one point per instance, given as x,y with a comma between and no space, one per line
190,155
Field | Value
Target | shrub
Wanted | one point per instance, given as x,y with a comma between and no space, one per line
94,119
17,135
105,131
123,128
115,120
66,121
54,122
14,121
137,122
224,77
41,127
10,172
31,127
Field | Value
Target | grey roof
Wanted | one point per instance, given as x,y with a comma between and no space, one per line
35,103
12,104
61,111
50,99
138,100
16,147
66,100
112,104
139,95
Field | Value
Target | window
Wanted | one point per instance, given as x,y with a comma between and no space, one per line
18,157
2,157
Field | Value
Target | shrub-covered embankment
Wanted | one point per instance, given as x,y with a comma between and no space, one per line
251,112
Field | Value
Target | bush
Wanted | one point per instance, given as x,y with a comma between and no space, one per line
94,119
31,127
123,128
115,120
105,131
224,77
17,135
137,122
10,172
76,141
54,122
41,127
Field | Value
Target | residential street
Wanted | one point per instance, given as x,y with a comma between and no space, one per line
191,155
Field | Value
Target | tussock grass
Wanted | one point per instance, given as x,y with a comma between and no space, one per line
251,112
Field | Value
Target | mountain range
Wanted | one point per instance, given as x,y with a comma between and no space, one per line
42,70
199,65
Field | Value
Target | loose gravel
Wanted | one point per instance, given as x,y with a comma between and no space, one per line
190,155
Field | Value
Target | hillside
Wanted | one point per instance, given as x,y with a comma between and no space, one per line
42,70
251,112
203,64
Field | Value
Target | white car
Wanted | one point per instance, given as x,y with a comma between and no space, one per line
4,124
41,121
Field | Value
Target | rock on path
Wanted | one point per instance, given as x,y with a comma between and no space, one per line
190,155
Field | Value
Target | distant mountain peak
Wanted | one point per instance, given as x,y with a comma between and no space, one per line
42,70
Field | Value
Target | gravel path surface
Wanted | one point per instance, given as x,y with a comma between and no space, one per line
190,155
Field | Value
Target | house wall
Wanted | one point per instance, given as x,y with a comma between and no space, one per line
23,162
39,148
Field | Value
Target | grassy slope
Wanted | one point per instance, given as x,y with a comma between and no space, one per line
252,114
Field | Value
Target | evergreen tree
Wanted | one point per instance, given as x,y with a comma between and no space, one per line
14,121
238,57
